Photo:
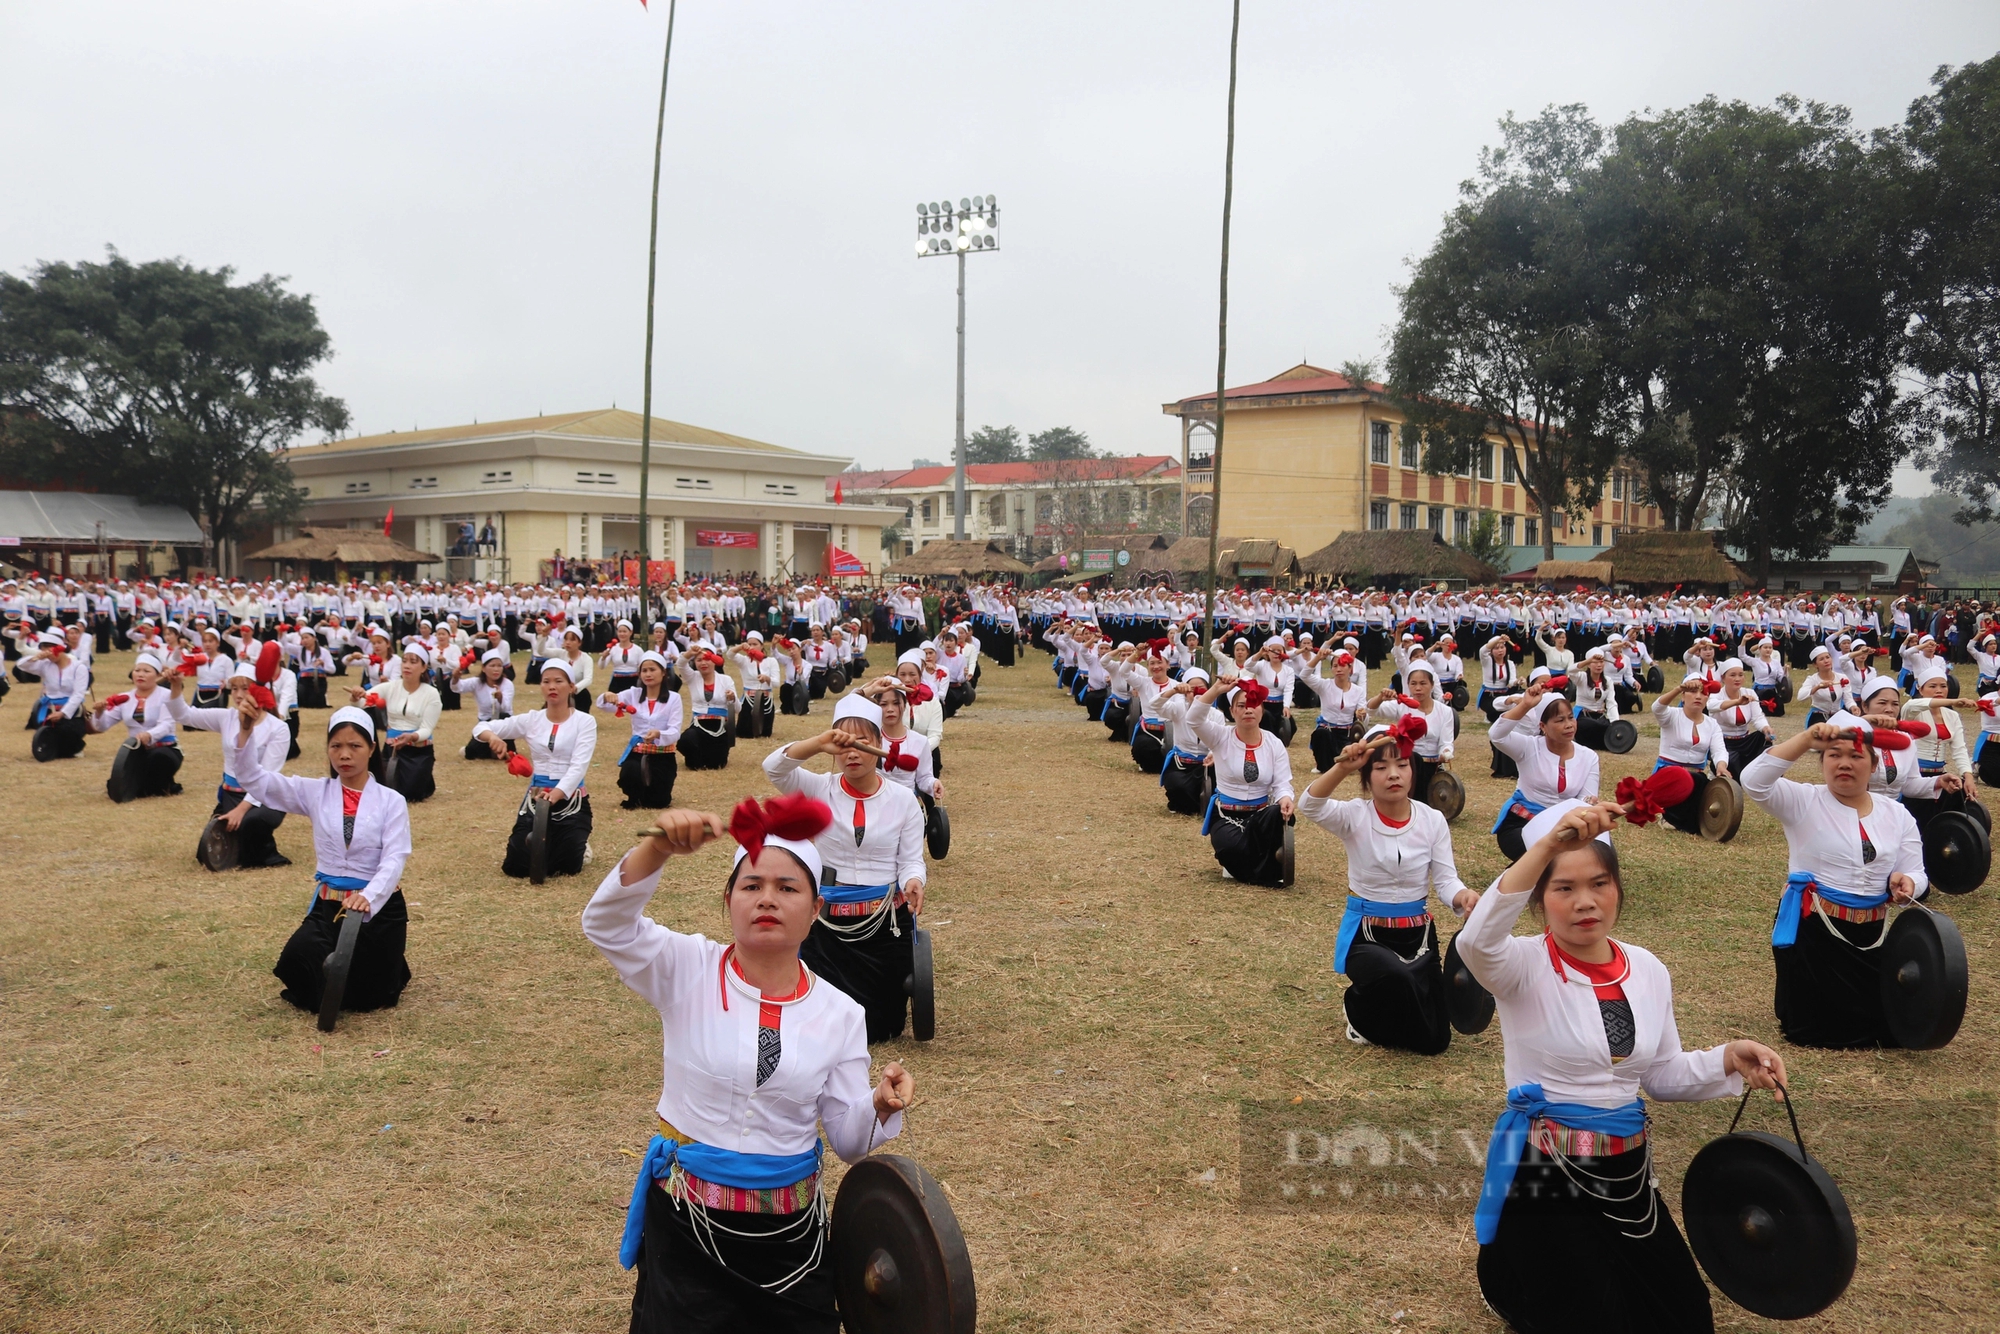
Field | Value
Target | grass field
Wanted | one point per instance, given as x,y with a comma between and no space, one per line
180,1151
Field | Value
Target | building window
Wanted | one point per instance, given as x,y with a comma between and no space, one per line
1408,518
1486,462
1531,534
596,478
1378,514
780,489
1597,534
1410,455
496,478
357,488
1506,530
1437,520
996,511
1618,486
928,513
1461,526
694,484
950,504
1508,473
423,483
1378,442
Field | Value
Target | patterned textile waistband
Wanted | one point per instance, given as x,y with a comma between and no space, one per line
1396,922
1553,1137
735,1199
1841,910
864,908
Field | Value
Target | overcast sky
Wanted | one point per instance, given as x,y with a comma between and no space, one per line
462,186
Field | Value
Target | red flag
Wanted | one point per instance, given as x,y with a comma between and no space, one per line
388,519
837,499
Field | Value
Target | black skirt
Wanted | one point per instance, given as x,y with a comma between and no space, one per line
1188,784
415,771
62,739
312,692
1149,748
152,770
256,840
704,750
874,970
1745,749
477,749
569,839
683,1289
794,700
755,714
1558,1265
1396,997
1829,992
379,973
648,781
1246,843
1327,741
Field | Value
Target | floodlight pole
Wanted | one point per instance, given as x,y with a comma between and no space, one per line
958,471
646,409
942,230
1222,337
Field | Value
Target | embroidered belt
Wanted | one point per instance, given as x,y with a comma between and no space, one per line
1841,910
1553,1137
736,1199
864,908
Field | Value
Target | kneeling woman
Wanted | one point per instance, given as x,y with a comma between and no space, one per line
1850,854
251,706
727,1226
492,692
1437,744
411,706
1572,1232
710,734
561,741
361,840
1690,739
146,718
1253,782
1397,851
647,769
873,855
1539,732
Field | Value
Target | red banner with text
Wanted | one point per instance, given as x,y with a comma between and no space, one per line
723,537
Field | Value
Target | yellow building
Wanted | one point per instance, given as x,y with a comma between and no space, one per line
1309,454
569,485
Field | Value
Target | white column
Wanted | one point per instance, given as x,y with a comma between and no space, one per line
660,530
767,547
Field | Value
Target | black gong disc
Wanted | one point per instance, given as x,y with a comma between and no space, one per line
1768,1225
1470,1005
123,785
220,847
1720,806
538,843
1447,794
1655,681
923,988
1957,852
333,986
836,680
937,832
42,746
1620,736
899,1261
1785,689
1975,810
1287,858
1924,979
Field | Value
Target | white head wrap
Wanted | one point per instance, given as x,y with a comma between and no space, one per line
854,706
350,714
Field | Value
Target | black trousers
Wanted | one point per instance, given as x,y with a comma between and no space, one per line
1187,784
874,971
703,751
568,839
155,770
1395,995
415,774
1327,741
379,973
755,714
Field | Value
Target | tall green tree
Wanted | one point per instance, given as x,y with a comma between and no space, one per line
1753,260
161,380
993,444
1060,442
1500,331
1952,139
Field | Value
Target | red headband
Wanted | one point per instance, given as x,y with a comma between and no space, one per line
795,816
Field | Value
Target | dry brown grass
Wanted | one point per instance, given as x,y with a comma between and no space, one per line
180,1151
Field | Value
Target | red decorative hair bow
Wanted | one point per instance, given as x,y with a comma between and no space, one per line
795,816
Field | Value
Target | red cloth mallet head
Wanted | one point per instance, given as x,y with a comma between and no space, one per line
1558,683
898,760
372,701
1252,693
1885,738
1915,727
1408,701
1408,731
520,766
116,700
268,660
194,660
1645,798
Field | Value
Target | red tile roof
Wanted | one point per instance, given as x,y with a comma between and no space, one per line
1301,379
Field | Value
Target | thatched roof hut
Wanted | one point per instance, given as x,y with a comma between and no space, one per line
1659,560
950,558
1575,571
328,552
1236,558
1396,558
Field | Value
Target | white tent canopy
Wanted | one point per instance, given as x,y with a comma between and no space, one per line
27,517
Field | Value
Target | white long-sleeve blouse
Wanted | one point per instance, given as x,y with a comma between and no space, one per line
1274,765
1545,778
380,847
561,751
891,849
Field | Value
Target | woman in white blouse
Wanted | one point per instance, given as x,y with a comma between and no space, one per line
647,767
1187,774
1437,745
492,691
1826,691
315,665
410,707
254,707
577,665
1767,669
561,741
1343,702
1539,732
151,767
211,677
1850,854
621,659
926,712
1253,782
727,1225
361,842
710,730
1691,739
1573,1234
1398,850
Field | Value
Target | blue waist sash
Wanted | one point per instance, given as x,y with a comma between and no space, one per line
1174,752
1215,799
542,780
724,1167
344,883
1791,904
1358,908
1930,768
230,782
1325,721
1507,809
1510,1139
842,894
1109,700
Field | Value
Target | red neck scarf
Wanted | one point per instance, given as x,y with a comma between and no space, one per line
1606,979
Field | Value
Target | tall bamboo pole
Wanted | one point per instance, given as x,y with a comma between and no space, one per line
1222,337
646,411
